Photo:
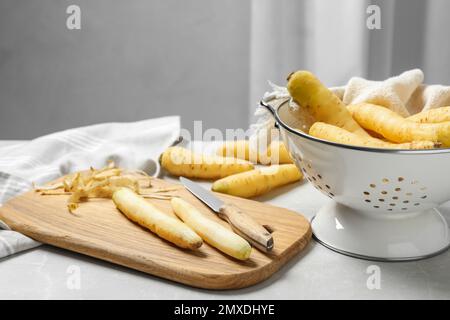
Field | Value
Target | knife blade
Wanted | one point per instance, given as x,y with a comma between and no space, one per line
241,222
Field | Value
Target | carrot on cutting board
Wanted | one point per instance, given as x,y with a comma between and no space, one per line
259,181
242,149
212,232
432,116
335,134
395,128
139,210
182,162
309,93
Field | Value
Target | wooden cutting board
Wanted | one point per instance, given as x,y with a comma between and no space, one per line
99,230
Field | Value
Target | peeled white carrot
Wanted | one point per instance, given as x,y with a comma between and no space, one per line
212,232
139,210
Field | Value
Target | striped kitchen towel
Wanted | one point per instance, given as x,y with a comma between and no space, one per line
134,145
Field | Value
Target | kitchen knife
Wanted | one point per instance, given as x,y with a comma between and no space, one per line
242,224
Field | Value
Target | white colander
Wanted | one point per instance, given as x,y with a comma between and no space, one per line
385,200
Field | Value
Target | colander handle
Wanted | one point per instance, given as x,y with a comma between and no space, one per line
270,109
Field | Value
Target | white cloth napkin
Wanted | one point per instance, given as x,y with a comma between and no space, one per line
135,145
405,94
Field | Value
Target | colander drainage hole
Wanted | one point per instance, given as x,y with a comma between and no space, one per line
366,193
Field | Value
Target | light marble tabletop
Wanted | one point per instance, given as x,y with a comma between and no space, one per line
48,273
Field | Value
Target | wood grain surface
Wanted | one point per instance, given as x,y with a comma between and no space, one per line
99,230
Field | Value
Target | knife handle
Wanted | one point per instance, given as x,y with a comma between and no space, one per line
246,227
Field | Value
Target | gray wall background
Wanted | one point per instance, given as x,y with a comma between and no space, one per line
131,60
202,59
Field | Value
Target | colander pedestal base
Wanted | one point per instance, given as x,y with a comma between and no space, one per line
362,235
